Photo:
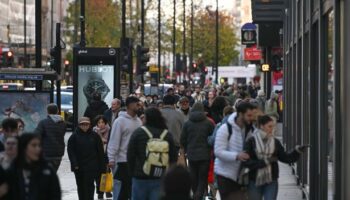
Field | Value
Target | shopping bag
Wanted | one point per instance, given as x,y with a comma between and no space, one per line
106,183
181,160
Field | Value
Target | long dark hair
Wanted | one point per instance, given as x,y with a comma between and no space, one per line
154,118
24,140
219,104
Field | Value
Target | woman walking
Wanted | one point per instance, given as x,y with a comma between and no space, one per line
265,151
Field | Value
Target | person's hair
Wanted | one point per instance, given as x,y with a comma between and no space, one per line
228,110
23,142
52,109
219,104
176,183
98,118
131,100
96,96
169,100
264,119
154,118
9,124
244,106
19,120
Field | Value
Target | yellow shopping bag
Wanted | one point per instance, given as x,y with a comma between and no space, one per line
106,183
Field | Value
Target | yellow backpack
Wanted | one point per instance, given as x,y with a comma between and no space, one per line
157,154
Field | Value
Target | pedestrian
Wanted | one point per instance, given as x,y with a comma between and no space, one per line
184,107
146,181
175,119
271,107
9,128
85,151
171,92
197,95
102,128
189,97
96,107
261,98
176,184
265,151
208,102
122,129
52,130
112,113
194,141
10,153
31,177
20,126
229,152
217,109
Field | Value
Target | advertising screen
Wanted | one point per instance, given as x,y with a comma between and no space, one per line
94,78
28,106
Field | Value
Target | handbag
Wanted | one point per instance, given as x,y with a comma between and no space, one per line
243,178
106,183
181,160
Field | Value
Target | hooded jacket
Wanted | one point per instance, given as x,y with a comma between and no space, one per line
174,121
122,129
226,150
52,131
137,151
94,109
194,137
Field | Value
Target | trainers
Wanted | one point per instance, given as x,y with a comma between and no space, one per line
100,196
109,195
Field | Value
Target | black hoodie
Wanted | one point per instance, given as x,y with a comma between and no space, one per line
194,137
94,109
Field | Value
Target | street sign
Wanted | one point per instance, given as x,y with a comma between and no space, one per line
249,35
252,54
265,68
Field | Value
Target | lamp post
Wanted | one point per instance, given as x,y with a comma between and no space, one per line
191,53
184,59
174,36
159,38
217,44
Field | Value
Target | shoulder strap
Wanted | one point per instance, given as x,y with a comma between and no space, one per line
147,131
229,127
164,133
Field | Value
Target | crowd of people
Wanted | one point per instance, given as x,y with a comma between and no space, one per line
188,144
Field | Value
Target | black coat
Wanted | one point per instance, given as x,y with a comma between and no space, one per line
94,109
194,137
254,163
44,183
137,151
85,150
52,134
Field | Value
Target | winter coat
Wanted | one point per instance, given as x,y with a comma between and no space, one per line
85,151
254,163
108,115
94,109
44,183
186,115
194,137
122,129
174,121
227,149
137,151
52,131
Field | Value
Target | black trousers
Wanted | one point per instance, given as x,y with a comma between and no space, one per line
230,189
122,174
85,184
199,173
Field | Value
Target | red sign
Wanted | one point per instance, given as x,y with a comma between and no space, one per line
252,54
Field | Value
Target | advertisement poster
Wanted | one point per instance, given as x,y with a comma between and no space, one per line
94,78
29,106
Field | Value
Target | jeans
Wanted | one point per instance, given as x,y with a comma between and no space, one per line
230,190
199,174
268,191
122,182
145,189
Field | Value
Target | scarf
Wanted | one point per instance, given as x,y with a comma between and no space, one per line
265,146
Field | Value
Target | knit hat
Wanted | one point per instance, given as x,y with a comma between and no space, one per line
197,107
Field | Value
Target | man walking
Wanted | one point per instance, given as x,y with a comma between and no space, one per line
229,153
52,131
122,129
112,113
174,119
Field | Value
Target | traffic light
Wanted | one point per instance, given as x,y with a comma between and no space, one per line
53,61
142,59
126,55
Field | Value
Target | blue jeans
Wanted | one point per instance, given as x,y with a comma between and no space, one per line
117,185
145,189
268,191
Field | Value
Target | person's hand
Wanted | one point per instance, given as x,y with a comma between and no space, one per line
243,156
111,165
302,148
272,159
76,168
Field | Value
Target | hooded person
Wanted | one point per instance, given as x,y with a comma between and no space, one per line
194,138
261,99
96,107
271,106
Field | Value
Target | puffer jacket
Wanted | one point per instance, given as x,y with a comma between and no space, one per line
194,137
